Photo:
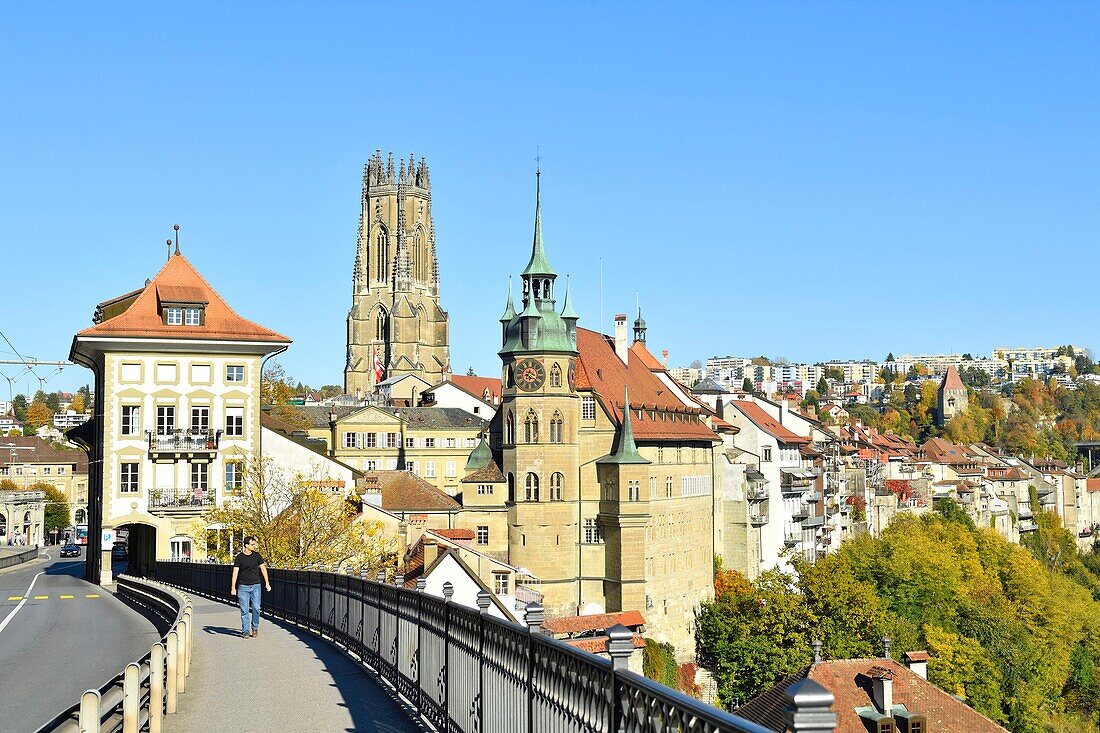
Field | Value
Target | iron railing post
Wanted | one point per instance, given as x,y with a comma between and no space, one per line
620,645
809,708
534,617
483,608
448,591
421,584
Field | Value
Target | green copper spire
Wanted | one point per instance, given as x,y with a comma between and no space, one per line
480,457
509,310
626,451
567,308
538,265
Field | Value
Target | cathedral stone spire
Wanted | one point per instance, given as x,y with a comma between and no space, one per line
626,451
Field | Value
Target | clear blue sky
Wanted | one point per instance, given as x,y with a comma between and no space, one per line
808,180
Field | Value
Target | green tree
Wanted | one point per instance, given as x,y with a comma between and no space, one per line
823,388
890,356
58,512
834,373
747,386
19,407
8,485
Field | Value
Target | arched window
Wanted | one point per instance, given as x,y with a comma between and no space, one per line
556,428
531,427
555,375
382,251
531,487
4,524
511,487
557,482
27,518
418,256
510,429
380,325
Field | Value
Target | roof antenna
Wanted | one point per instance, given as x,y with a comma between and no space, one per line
177,228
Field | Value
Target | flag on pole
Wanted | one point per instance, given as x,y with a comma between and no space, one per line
377,365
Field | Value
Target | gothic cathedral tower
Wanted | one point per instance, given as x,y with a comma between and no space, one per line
540,415
395,325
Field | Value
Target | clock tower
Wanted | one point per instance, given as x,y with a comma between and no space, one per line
538,422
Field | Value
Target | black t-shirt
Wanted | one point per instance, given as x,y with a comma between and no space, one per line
249,573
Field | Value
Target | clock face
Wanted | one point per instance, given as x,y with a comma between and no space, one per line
529,375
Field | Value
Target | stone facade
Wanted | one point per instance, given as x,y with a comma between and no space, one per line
396,325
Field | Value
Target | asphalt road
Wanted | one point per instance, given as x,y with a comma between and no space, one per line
68,636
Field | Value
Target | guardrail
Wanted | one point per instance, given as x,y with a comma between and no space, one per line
6,561
138,698
463,671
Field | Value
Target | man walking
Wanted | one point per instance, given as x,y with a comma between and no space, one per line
248,566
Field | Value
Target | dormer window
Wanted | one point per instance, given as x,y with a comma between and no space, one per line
183,315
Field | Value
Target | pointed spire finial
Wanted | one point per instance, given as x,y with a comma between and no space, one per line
169,243
176,227
538,265
627,450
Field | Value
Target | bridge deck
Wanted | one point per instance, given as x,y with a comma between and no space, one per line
285,679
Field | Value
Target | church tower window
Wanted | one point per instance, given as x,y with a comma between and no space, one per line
555,375
531,487
557,425
557,481
510,429
380,326
382,252
531,427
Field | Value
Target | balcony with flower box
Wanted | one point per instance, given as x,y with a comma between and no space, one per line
179,499
758,520
183,443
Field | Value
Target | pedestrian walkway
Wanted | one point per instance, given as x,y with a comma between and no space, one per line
286,679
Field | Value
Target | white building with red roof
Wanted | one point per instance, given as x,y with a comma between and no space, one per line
177,411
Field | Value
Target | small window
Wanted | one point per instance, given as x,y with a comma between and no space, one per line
131,419
588,408
46,470
128,478
192,316
351,440
200,476
233,476
485,489
451,469
767,453
234,421
500,584
234,373
633,490
429,442
483,534
173,316
200,419
557,482
555,376
410,442
593,533
371,440
450,442
391,440
166,420
429,469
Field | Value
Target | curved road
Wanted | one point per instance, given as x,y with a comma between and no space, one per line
66,637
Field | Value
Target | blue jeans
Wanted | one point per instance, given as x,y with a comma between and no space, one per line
246,595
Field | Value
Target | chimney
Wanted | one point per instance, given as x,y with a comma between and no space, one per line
431,550
917,662
621,345
882,689
664,358
783,411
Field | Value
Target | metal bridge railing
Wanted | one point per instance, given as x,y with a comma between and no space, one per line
463,670
138,698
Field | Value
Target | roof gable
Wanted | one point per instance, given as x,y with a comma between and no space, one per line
179,282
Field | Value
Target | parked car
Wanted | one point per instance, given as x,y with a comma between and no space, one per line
118,551
70,550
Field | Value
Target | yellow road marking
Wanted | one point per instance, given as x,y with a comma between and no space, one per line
15,598
66,596
91,595
41,598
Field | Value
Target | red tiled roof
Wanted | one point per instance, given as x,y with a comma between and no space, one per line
602,371
404,491
594,622
456,534
32,449
649,360
850,682
178,281
478,386
951,380
761,419
1092,484
598,644
917,656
